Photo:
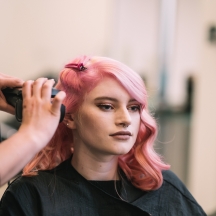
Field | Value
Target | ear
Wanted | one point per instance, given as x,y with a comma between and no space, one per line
69,121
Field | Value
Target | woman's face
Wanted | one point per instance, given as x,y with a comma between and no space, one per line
108,120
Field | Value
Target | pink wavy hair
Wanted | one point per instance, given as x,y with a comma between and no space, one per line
142,165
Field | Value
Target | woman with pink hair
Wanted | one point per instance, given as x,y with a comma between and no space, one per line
101,159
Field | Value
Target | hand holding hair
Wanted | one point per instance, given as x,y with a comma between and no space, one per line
40,116
40,120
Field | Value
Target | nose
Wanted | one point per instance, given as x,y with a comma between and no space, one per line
123,118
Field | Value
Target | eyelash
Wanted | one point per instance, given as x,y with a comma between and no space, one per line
104,106
110,107
137,107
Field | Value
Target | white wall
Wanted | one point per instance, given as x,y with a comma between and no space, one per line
134,39
202,175
43,35
186,50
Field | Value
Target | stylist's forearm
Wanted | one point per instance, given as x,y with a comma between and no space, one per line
15,153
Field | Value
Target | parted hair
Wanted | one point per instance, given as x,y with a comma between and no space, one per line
142,164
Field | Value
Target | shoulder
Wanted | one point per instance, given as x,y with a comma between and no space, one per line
174,189
40,182
23,187
20,196
24,194
170,179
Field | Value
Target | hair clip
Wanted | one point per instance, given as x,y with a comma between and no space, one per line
79,67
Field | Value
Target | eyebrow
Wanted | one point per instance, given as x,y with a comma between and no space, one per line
111,99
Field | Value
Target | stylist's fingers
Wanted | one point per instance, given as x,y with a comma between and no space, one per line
38,84
27,89
47,89
56,103
27,102
9,81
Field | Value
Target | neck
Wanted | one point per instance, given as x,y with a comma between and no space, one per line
94,168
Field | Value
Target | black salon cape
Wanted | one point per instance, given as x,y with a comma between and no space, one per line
63,191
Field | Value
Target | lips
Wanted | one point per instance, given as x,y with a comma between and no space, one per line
121,133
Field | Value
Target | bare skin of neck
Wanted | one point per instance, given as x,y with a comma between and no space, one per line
92,167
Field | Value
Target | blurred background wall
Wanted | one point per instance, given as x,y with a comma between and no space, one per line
170,43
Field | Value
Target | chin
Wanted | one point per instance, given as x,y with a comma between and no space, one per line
121,151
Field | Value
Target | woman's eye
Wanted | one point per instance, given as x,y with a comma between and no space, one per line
106,107
134,108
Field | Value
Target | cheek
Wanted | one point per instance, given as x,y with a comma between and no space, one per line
85,122
89,122
136,123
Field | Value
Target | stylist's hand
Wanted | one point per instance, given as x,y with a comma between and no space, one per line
40,116
8,81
